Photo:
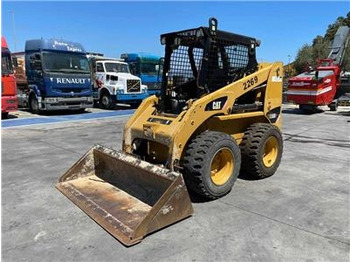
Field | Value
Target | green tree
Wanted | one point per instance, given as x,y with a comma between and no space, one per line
319,49
303,59
309,54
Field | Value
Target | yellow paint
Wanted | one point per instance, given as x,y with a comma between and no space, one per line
194,120
222,166
270,151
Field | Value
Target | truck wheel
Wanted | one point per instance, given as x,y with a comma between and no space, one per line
261,147
4,115
211,164
308,108
33,104
333,106
106,101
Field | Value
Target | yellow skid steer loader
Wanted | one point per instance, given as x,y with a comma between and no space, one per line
218,115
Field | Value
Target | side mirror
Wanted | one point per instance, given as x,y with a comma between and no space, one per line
93,65
32,62
38,65
132,68
15,61
35,62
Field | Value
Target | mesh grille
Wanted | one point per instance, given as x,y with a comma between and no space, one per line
225,64
180,71
133,85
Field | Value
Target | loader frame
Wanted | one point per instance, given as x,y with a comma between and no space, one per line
211,81
175,131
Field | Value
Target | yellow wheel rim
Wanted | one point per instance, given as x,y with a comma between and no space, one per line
270,151
222,166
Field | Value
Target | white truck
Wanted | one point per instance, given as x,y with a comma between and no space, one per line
113,84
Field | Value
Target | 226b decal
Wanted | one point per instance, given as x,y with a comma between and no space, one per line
250,82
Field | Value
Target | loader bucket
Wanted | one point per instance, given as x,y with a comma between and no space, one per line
128,197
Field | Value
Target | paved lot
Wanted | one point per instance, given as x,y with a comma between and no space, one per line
299,214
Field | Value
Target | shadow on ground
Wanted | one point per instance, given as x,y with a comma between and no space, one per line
297,111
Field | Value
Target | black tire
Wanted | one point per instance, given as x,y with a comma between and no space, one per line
333,106
4,115
309,109
106,101
262,148
80,111
198,162
33,104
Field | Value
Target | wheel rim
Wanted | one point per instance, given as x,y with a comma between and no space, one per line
270,151
222,166
105,100
34,104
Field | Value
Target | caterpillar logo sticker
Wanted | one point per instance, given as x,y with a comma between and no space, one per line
217,104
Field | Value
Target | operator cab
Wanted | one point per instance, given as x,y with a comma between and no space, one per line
202,60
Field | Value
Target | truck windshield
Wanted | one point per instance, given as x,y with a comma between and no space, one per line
117,68
6,64
65,62
151,69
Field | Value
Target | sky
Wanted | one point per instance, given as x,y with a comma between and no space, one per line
115,27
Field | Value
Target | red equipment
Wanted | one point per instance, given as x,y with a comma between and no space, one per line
321,86
311,89
9,100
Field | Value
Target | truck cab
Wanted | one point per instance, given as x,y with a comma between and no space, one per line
113,83
58,76
8,82
148,67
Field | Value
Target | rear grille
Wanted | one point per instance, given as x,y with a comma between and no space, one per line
133,85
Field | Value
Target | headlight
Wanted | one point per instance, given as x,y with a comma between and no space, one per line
52,99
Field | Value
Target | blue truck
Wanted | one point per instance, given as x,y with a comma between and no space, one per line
148,67
57,76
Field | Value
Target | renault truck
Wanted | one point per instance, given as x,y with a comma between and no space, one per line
54,75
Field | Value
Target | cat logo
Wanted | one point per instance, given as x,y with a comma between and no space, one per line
216,105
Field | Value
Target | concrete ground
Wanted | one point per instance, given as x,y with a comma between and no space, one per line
299,214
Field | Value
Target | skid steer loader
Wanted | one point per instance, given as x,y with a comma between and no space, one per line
218,114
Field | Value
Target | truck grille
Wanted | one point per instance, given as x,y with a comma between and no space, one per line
133,85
